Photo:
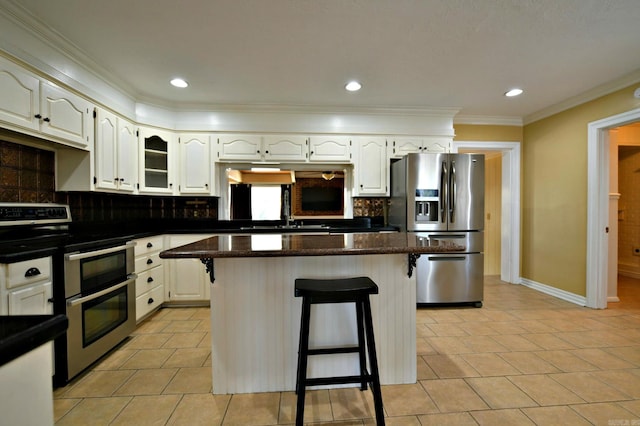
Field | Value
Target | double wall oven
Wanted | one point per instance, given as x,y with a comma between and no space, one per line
99,300
93,279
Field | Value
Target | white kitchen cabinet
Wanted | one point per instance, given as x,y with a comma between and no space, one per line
66,116
239,148
157,152
401,146
116,153
291,148
149,267
330,149
26,287
31,103
187,278
19,103
371,167
31,300
196,171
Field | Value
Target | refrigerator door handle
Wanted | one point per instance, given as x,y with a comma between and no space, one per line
446,258
447,236
443,192
452,193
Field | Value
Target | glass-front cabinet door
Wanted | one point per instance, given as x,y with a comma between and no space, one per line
156,160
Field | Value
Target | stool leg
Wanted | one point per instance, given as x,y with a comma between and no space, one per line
373,361
361,344
302,359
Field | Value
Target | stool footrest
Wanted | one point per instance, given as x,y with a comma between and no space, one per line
335,350
320,381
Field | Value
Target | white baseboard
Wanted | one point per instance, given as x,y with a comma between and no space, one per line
555,292
613,299
628,271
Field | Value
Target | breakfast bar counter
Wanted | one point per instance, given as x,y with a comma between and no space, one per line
255,317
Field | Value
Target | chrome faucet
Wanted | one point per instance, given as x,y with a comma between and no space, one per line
287,208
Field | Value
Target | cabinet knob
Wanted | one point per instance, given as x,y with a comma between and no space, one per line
149,261
32,272
149,245
50,300
38,116
266,152
150,301
150,279
47,119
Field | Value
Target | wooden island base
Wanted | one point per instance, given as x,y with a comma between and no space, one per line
255,320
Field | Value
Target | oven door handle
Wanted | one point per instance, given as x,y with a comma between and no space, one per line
78,256
79,300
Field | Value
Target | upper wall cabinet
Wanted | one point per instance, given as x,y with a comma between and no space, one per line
239,148
116,153
371,166
157,152
196,171
330,149
401,146
66,116
30,103
19,103
293,148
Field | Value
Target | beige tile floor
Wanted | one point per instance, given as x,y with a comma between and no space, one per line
525,358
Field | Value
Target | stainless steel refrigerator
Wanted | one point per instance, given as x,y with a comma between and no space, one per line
441,197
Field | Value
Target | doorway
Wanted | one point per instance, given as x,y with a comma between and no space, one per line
510,204
598,205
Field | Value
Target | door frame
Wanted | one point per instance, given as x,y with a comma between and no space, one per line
598,205
511,222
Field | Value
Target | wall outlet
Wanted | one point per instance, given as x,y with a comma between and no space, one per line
636,251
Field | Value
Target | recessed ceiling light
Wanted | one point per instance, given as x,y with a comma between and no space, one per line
353,86
178,82
513,92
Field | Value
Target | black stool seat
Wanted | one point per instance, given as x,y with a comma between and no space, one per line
339,290
335,290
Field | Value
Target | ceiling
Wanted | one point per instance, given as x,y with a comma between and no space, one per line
406,53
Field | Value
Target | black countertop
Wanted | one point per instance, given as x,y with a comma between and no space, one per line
82,235
20,334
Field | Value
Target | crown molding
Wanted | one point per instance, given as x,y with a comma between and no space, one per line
596,92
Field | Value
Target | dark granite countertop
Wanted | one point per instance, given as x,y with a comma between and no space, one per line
20,334
281,245
82,233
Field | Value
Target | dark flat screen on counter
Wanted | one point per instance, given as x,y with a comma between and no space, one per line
321,199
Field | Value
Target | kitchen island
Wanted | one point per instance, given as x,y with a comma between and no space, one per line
255,317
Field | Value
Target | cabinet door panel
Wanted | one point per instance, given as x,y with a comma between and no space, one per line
195,164
65,115
106,150
127,155
239,147
372,177
285,148
330,148
32,300
20,90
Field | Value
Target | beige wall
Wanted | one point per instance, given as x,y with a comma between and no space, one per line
554,196
475,132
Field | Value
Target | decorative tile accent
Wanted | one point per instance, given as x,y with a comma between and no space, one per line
26,174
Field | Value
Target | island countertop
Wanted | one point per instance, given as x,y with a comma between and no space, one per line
285,245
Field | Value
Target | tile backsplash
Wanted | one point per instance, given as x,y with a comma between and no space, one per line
26,174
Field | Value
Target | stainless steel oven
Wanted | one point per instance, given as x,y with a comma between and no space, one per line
99,287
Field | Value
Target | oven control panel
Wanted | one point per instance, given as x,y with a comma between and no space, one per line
31,214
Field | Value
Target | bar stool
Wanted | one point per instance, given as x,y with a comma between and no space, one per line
341,290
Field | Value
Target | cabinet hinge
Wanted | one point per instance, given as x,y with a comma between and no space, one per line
137,133
95,114
95,180
137,186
